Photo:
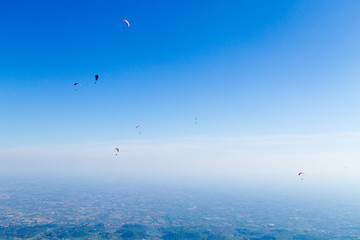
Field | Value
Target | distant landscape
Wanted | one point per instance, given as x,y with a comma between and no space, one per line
38,209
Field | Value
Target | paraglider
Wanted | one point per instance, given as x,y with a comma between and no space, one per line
301,173
88,224
139,127
196,120
127,23
78,85
96,78
117,150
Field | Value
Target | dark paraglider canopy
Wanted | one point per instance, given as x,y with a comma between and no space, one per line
301,173
96,78
139,127
77,85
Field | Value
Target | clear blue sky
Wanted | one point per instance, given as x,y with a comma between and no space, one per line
244,68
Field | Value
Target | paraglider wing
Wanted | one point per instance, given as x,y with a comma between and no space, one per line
88,224
117,150
77,84
301,173
127,22
138,127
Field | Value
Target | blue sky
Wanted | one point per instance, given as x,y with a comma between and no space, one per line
244,68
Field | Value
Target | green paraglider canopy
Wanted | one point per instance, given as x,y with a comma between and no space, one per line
117,150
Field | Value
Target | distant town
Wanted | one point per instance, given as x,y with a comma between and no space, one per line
82,210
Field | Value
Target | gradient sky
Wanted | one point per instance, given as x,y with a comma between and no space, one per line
249,70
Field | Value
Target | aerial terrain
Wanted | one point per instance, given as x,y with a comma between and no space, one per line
133,209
